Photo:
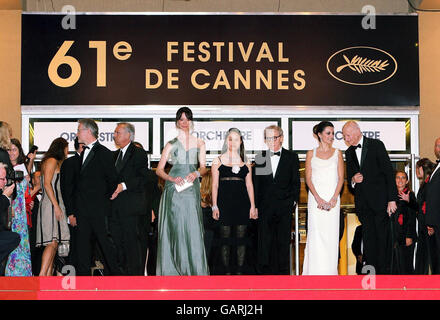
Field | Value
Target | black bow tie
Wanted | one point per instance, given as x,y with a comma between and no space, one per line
278,153
86,147
358,146
438,160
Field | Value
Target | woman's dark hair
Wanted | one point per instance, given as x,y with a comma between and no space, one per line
319,128
427,165
400,171
21,157
184,110
56,150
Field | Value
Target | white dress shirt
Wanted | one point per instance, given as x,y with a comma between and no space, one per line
359,150
87,150
359,155
432,174
124,150
275,160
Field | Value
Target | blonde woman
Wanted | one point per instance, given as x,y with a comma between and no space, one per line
5,144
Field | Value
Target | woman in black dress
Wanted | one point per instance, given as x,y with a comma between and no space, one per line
232,200
424,168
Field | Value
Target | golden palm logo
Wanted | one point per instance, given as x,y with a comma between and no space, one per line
362,65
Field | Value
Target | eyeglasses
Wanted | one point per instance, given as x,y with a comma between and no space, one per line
272,138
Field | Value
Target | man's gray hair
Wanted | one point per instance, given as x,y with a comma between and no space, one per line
273,127
2,165
130,129
90,124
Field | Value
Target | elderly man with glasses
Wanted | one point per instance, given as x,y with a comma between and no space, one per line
277,186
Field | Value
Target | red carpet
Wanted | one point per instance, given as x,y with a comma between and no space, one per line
222,288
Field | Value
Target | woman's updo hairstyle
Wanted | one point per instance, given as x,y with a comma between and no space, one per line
319,128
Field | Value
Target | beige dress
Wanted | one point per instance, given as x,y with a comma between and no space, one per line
48,227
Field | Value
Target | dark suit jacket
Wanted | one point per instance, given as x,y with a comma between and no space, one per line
432,217
4,205
97,181
379,185
134,173
4,158
69,173
282,190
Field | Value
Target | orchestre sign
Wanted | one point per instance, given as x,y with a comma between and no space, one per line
219,59
391,133
46,132
214,132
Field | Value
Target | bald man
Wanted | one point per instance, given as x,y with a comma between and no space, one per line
370,176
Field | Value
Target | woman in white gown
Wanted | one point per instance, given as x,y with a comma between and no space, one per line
324,177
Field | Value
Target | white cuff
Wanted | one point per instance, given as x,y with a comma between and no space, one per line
124,187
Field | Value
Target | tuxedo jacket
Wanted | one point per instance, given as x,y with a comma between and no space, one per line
69,174
279,191
134,173
4,205
97,180
4,158
378,186
432,217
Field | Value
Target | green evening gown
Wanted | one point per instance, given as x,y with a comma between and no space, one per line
181,249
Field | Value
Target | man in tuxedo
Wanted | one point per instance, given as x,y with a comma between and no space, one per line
432,216
129,222
97,182
277,185
370,176
69,176
8,240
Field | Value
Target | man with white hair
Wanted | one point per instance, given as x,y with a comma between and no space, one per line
129,223
371,176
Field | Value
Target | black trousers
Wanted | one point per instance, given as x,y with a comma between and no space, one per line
436,250
97,227
8,242
72,259
130,235
274,235
376,240
424,248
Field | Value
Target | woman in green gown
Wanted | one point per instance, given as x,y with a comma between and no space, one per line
180,249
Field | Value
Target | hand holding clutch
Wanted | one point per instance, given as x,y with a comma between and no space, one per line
184,186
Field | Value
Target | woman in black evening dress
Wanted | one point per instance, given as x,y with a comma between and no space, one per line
233,201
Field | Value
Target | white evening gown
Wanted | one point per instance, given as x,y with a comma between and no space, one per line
321,253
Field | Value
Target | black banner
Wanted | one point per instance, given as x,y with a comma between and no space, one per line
225,59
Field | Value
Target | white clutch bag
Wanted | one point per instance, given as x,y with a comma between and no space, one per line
185,186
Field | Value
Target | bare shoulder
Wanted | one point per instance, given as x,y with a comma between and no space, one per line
216,162
309,153
200,143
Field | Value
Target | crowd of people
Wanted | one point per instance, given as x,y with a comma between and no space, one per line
107,211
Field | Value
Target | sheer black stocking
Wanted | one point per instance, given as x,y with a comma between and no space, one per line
225,249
